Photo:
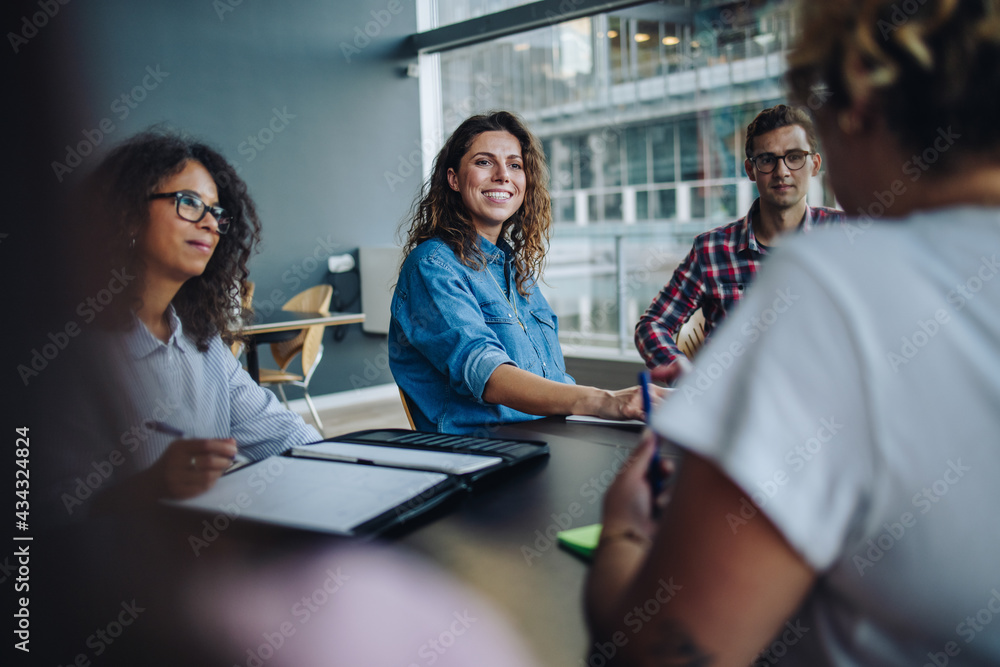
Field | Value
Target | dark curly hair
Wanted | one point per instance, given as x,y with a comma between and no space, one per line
118,193
440,212
923,66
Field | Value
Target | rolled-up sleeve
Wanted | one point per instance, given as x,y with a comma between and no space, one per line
657,329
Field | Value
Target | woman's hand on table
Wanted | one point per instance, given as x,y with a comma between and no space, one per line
626,404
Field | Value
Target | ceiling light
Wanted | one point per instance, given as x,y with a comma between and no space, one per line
641,37
671,40
612,34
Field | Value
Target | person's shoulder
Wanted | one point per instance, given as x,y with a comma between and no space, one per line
430,257
727,231
433,249
724,235
852,247
218,352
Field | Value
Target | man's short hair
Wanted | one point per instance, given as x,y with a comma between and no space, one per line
780,116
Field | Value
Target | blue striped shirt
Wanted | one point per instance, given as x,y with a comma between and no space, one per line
204,394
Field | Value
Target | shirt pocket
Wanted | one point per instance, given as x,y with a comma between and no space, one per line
499,318
727,294
497,312
547,326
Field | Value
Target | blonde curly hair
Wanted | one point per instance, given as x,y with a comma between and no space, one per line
924,65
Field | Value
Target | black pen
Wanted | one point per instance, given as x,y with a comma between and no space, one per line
163,427
167,429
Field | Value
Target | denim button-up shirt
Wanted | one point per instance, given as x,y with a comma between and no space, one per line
452,326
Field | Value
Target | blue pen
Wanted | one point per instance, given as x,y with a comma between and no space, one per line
654,474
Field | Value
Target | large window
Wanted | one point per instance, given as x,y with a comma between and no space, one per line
642,115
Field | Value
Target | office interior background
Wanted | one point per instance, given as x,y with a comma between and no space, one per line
333,111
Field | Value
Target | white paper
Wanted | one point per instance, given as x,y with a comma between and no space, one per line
312,494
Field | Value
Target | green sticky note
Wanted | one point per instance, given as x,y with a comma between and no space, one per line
582,540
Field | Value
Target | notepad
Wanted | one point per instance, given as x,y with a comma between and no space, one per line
326,496
582,540
399,457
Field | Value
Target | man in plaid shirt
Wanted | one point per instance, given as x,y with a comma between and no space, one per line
781,159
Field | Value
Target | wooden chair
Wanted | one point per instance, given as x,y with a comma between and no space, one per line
308,345
692,334
237,346
406,407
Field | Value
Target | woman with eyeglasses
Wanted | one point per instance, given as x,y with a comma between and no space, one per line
472,341
177,226
837,503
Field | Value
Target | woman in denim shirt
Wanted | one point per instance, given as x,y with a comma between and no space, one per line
473,343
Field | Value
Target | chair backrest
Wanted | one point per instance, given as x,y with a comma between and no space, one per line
310,340
692,334
246,304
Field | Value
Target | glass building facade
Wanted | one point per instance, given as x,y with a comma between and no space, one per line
642,114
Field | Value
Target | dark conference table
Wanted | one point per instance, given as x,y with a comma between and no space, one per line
500,539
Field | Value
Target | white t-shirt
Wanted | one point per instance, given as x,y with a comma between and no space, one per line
855,397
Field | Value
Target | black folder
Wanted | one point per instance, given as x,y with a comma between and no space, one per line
343,494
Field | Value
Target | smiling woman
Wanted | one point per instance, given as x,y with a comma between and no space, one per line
474,343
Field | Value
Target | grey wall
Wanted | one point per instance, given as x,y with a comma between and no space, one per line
275,71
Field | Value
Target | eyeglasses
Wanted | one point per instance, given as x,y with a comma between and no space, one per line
193,209
768,162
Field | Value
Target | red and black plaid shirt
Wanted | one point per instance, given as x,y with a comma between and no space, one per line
714,276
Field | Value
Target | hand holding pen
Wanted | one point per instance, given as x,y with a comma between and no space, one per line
190,466
655,472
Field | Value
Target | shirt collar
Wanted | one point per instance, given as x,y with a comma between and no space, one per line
496,254
807,220
140,343
747,238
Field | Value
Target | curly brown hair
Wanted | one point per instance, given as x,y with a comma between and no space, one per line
922,66
119,191
439,212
